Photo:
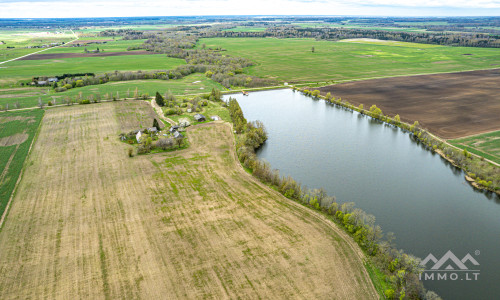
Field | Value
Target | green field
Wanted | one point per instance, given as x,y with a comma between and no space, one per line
487,145
111,46
19,39
28,97
292,59
26,69
17,130
354,26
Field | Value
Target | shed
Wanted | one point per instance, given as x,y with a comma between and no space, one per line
199,118
152,130
53,79
138,136
174,128
178,135
215,118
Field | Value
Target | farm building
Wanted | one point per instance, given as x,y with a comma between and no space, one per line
199,118
215,118
178,135
138,136
174,128
53,79
152,130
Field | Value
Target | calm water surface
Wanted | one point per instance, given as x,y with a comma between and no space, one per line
411,191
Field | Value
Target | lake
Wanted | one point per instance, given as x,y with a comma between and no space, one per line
411,191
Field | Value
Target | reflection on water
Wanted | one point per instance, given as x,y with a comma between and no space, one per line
412,192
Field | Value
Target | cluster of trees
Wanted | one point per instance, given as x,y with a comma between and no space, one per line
401,269
250,135
485,175
471,39
227,70
171,105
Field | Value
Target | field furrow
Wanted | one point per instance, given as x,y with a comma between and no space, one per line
89,222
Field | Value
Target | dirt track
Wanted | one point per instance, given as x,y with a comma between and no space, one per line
89,222
72,55
449,105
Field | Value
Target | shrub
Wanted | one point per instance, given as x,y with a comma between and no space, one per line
169,111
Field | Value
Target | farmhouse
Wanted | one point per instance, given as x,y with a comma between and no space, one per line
199,118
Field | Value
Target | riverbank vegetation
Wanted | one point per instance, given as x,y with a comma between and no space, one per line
485,175
486,145
400,271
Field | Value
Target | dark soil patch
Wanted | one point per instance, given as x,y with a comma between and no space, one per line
72,55
449,105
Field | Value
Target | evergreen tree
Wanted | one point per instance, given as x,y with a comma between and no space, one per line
159,99
155,124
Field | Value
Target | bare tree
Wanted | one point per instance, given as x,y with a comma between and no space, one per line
179,141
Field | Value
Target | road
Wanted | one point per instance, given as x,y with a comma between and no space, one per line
76,38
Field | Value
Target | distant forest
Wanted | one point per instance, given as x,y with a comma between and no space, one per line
452,31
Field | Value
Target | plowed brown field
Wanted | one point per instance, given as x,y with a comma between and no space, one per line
89,222
450,105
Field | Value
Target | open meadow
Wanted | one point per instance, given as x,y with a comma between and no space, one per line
293,61
28,97
450,105
89,221
26,69
91,43
486,145
17,130
14,43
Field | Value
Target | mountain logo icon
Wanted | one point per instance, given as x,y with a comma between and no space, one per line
449,261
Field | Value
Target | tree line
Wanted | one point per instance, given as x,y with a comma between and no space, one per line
464,39
401,270
485,175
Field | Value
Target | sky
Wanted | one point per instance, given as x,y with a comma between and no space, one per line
130,8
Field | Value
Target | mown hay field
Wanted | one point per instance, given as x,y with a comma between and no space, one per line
89,222
292,60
